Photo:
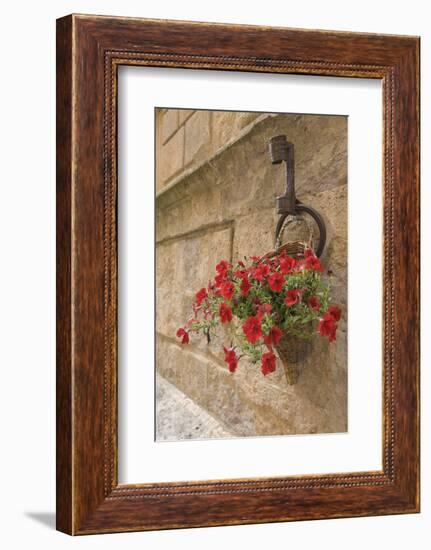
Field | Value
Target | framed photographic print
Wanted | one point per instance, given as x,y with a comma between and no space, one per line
237,274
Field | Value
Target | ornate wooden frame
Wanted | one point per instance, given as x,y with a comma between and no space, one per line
89,51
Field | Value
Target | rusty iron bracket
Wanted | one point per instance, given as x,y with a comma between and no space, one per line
280,151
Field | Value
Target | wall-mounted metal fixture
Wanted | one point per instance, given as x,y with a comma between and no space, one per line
288,206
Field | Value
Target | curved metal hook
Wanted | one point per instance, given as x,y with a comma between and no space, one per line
299,207
287,205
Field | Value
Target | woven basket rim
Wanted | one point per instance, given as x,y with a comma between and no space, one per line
300,244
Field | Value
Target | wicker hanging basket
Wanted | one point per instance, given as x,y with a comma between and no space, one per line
291,349
292,352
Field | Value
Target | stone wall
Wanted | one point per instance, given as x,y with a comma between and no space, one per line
216,190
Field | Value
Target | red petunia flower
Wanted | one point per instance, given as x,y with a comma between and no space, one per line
334,312
181,333
287,264
201,295
227,290
268,363
313,263
225,313
241,273
220,278
328,327
230,358
222,269
276,282
292,296
223,266
260,272
252,329
314,303
273,337
245,286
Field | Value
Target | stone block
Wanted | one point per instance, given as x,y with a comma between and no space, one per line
321,153
254,234
184,367
170,123
226,401
184,114
197,136
193,203
332,204
226,125
170,158
183,266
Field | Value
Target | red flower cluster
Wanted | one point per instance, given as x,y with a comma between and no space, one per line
253,329
222,269
181,333
268,363
231,358
334,312
225,313
200,296
223,266
273,337
260,272
287,264
245,286
227,290
314,303
311,261
276,282
292,296
265,299
328,323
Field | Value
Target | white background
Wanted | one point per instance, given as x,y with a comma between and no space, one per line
27,125
360,449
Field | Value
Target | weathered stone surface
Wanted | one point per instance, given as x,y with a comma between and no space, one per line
159,148
192,203
254,234
225,208
171,158
197,135
245,181
184,114
332,204
183,266
185,367
226,124
170,123
179,417
250,404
